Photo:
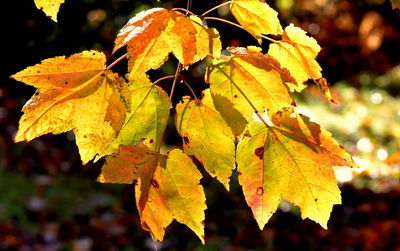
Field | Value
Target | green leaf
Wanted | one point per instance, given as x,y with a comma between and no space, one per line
149,109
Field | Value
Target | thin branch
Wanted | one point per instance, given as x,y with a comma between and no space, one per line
185,10
177,73
190,88
236,25
214,8
268,38
163,78
117,61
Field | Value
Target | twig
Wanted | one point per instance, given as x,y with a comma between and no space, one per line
214,8
117,61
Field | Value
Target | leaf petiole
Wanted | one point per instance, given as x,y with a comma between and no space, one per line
163,78
185,10
117,61
215,7
236,25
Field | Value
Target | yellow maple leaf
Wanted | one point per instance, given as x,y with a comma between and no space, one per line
50,7
256,17
291,160
245,82
206,135
166,187
74,93
152,34
297,52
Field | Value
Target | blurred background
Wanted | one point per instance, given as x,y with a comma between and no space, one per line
49,201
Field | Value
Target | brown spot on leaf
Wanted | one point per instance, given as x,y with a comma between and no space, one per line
259,152
260,191
239,173
151,141
185,140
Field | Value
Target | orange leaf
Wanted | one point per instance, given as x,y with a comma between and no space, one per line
74,93
151,35
166,187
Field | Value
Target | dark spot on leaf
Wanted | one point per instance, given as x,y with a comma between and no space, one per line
151,141
293,103
239,173
93,53
154,183
259,152
103,75
85,136
185,140
65,82
316,200
260,191
235,96
341,147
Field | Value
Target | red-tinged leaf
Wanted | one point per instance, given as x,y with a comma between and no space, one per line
167,187
291,160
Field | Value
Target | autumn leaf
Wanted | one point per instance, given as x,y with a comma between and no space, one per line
166,187
149,109
50,7
152,34
291,160
246,82
74,93
256,17
206,136
297,52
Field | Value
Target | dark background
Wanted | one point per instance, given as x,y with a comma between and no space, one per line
48,201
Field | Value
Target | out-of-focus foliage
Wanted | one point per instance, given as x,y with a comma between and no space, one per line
367,121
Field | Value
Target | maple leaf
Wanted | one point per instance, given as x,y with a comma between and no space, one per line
297,52
74,93
206,136
50,7
291,160
166,187
149,108
246,82
256,17
152,34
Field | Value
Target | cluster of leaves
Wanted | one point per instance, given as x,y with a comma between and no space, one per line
245,119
